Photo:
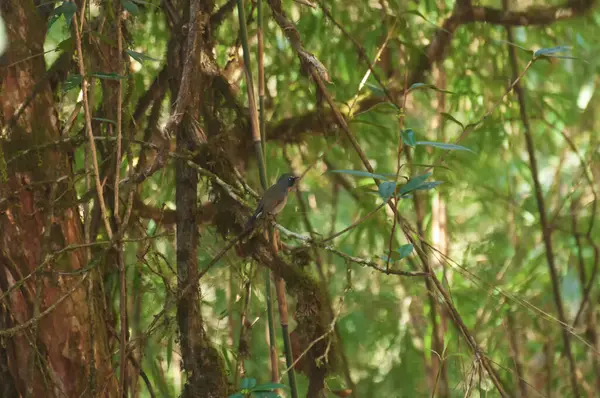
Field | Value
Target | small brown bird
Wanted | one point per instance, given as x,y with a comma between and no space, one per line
274,199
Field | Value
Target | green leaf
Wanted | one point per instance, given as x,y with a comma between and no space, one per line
413,183
386,189
384,107
378,91
101,119
151,228
417,13
237,395
408,137
571,288
512,44
418,86
266,394
400,253
51,21
247,383
359,173
428,185
452,119
65,45
429,165
148,3
108,76
443,145
551,51
131,7
67,9
268,386
169,351
565,57
71,82
226,356
368,123
405,250
140,57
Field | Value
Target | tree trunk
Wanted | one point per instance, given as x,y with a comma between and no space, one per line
56,343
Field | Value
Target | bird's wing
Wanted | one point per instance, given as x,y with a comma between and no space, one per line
273,199
259,209
257,213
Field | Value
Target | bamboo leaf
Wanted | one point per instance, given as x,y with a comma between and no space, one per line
448,116
360,173
413,183
408,137
131,7
386,189
108,76
443,145
405,250
418,86
140,57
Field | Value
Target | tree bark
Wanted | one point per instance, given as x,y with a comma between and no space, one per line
189,55
58,353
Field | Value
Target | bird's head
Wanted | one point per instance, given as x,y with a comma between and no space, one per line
287,180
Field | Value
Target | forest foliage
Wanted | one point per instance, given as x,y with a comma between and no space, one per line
457,140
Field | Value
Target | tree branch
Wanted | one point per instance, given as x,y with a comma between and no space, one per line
292,129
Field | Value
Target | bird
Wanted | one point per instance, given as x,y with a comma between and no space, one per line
274,199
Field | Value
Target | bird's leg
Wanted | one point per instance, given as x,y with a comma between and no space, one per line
269,218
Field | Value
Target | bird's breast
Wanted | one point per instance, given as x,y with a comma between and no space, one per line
279,206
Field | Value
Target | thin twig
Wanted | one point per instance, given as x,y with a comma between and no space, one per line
294,37
87,222
243,347
356,223
363,55
315,341
12,331
308,242
283,319
254,119
479,282
120,257
546,230
88,124
55,70
396,199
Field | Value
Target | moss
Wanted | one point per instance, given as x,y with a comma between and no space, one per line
3,167
312,315
210,375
